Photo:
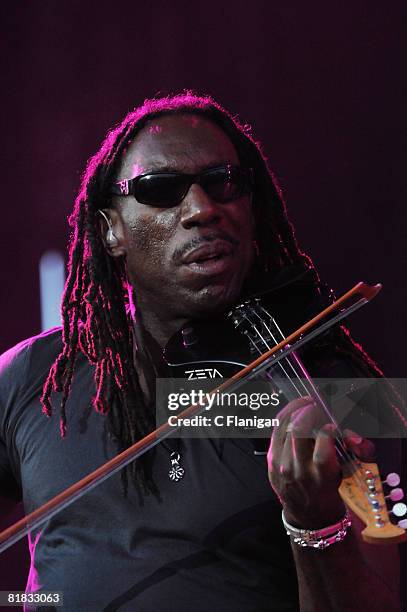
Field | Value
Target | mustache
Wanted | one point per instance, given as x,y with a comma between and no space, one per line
200,240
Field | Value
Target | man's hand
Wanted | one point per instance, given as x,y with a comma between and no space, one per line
304,470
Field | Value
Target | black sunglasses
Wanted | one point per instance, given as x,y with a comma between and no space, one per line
165,189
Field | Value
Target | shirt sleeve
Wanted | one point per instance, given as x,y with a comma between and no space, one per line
13,367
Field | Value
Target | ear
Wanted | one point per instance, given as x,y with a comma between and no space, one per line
113,222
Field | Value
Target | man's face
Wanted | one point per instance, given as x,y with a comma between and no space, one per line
189,260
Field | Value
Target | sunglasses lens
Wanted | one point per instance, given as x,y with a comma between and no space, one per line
226,184
162,190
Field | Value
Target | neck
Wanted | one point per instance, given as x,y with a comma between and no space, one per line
151,326
151,336
153,330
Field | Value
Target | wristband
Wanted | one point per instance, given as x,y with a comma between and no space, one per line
319,538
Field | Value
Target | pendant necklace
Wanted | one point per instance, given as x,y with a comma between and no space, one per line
176,471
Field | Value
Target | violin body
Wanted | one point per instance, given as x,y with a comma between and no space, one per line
208,349
221,341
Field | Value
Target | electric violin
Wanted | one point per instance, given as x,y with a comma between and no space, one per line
267,353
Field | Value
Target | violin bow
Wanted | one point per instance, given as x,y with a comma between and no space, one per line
362,292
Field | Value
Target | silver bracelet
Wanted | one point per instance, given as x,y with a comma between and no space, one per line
319,538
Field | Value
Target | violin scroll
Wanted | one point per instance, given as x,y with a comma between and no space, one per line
362,492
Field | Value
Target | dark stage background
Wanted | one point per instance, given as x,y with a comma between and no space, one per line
323,85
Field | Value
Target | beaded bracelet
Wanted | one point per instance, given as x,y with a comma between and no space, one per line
319,538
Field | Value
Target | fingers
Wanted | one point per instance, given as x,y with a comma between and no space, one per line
299,442
304,471
285,415
292,444
284,430
303,443
324,456
363,449
305,450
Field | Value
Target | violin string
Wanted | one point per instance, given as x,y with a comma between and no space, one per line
267,346
280,363
291,365
341,449
275,340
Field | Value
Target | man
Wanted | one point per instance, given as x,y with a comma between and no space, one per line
152,251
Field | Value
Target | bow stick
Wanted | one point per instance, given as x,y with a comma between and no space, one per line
31,521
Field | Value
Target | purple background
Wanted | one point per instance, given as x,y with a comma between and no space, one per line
323,85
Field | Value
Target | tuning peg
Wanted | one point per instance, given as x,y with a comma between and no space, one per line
399,509
395,495
392,479
402,523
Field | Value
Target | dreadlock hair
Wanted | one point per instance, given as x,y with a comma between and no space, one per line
96,318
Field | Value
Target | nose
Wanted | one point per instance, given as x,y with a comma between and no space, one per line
198,208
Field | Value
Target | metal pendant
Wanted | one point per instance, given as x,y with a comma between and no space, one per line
176,472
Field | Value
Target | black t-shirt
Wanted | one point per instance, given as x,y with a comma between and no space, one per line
214,542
